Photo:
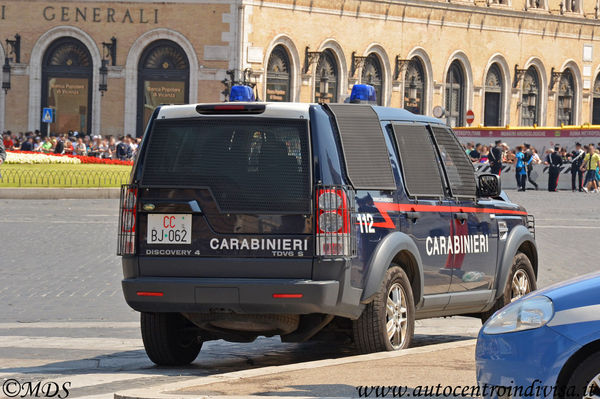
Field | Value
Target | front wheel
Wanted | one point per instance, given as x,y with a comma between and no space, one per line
388,321
585,380
169,339
521,281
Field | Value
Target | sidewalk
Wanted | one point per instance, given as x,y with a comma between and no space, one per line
449,364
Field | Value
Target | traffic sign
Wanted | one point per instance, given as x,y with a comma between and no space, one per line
48,115
470,116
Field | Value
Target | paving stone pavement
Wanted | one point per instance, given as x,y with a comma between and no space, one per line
63,317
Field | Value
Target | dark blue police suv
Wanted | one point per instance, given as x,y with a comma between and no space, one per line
245,219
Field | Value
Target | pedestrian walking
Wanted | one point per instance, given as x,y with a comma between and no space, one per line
529,159
591,162
520,169
576,158
554,165
495,158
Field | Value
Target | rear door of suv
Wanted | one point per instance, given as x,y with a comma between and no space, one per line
220,192
426,211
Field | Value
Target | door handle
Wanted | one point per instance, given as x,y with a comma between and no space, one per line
413,215
461,216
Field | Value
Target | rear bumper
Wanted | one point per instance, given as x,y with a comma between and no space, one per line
200,295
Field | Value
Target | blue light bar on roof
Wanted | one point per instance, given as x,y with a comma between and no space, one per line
241,93
363,94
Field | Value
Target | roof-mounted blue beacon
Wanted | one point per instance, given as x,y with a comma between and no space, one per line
241,93
363,94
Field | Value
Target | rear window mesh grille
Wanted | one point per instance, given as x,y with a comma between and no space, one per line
421,174
458,167
365,150
251,165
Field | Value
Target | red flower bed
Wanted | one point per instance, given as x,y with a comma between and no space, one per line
83,159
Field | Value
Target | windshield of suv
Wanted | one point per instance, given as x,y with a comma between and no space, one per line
251,165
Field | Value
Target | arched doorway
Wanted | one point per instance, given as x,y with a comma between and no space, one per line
414,87
530,98
279,77
163,78
455,95
327,78
494,93
596,102
372,74
67,71
566,95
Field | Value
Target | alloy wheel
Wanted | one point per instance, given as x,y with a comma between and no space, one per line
396,316
520,285
592,391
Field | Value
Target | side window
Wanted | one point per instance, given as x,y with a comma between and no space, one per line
363,144
420,172
459,169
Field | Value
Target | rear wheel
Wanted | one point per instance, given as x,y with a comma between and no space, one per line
585,380
388,321
521,282
169,339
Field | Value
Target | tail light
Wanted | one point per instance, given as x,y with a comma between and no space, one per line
127,220
334,222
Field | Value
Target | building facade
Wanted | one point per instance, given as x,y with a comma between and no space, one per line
512,62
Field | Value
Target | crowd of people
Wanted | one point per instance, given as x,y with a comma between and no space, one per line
583,161
122,148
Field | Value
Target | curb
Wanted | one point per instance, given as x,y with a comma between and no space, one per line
59,193
166,391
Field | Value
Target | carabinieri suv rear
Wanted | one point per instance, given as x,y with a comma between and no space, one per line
306,221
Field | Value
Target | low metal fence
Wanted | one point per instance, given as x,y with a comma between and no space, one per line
63,178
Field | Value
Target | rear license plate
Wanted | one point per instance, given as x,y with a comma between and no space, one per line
169,229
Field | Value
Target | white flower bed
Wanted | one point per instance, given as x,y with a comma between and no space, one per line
31,159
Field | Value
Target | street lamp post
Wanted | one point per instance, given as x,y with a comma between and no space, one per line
103,87
324,87
412,91
6,75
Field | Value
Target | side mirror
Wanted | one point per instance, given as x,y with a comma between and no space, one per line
488,185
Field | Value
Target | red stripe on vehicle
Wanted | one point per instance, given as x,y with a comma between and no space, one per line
385,207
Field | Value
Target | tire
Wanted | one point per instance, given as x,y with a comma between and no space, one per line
521,270
169,339
370,329
585,380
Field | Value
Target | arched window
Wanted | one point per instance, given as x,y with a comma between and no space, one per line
596,102
566,91
67,72
327,78
414,87
164,74
494,92
279,75
372,74
530,98
455,94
